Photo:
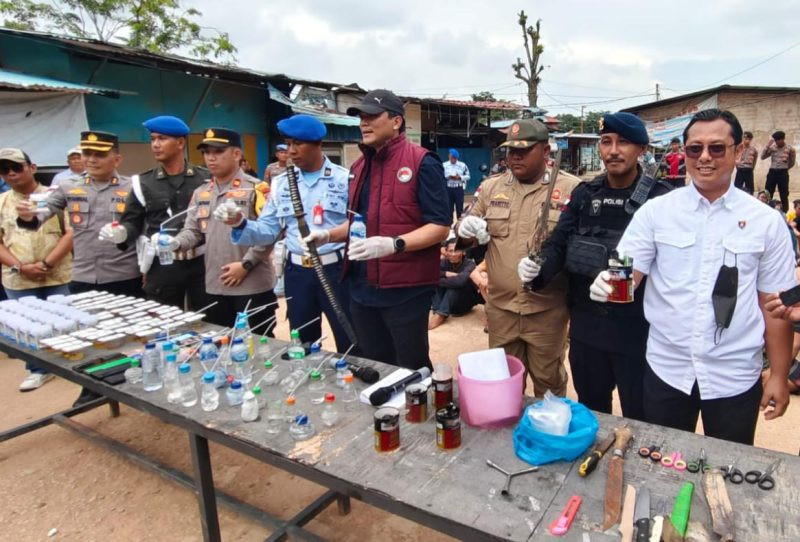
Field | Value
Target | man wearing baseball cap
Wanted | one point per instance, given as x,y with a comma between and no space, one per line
75,169
277,168
528,325
399,189
156,196
606,343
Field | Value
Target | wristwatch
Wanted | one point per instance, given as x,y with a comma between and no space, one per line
399,244
248,265
15,269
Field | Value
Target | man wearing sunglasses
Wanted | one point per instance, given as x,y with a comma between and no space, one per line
531,326
782,159
712,255
37,262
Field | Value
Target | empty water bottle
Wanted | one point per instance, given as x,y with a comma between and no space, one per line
165,255
235,393
315,357
249,407
316,388
301,429
188,387
289,409
276,419
262,404
134,373
329,414
171,380
243,332
264,351
296,350
341,370
241,361
290,383
209,398
358,230
151,376
166,348
349,394
271,374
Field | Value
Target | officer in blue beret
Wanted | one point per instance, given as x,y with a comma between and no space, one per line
157,195
607,340
323,189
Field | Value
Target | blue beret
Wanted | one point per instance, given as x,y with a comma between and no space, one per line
626,125
302,127
454,153
167,125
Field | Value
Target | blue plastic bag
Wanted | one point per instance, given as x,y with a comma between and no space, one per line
537,448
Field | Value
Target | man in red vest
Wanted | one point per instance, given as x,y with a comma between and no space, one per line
400,190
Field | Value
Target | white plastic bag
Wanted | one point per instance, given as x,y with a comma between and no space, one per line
551,415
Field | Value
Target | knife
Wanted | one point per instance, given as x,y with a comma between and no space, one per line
590,462
626,521
612,501
641,515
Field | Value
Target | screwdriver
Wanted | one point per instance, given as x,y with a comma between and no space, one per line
590,462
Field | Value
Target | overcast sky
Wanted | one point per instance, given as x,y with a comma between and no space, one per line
596,52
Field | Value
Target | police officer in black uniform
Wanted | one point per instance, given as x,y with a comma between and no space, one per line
607,341
156,196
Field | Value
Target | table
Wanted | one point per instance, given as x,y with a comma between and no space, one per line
450,491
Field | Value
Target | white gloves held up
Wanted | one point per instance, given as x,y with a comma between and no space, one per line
229,213
113,233
173,243
527,270
474,227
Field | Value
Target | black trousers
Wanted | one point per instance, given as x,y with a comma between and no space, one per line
173,284
395,335
744,180
730,418
132,287
596,372
454,301
456,196
779,178
224,312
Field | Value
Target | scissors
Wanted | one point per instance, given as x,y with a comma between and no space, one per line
675,461
764,480
653,452
733,474
699,465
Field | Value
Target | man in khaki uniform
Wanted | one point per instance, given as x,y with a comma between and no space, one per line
234,274
530,326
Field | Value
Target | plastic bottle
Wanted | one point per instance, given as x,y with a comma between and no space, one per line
271,374
242,371
276,419
296,350
262,404
249,407
235,393
289,410
329,414
151,376
188,388
349,394
316,388
208,352
134,373
341,370
166,348
301,428
264,349
315,356
209,398
165,255
243,332
358,230
224,353
171,381
290,383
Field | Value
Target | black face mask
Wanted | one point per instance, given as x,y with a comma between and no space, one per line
724,298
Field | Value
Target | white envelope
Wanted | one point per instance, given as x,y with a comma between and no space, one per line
486,365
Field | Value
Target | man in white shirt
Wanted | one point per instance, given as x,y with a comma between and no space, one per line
76,167
713,256
457,175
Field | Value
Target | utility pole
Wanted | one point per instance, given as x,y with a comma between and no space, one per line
582,118
658,92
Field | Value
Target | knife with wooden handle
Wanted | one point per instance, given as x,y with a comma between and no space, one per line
612,502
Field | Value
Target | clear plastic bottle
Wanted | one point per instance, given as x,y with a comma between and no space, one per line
276,420
316,388
209,398
289,409
349,394
329,415
296,351
166,348
242,371
271,374
341,370
151,376
208,352
301,428
315,356
249,407
262,403
224,353
291,383
243,332
235,393
358,230
171,381
264,350
165,255
188,387
134,373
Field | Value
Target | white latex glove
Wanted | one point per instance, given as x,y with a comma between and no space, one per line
114,234
174,244
316,237
472,226
527,270
600,288
370,248
229,213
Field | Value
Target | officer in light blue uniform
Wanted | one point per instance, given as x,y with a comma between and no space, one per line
323,191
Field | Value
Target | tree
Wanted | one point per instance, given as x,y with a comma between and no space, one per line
159,26
591,122
533,50
484,96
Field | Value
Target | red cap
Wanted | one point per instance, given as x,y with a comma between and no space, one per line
330,398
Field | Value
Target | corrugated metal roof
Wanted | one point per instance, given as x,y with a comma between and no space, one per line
713,90
499,106
324,116
26,81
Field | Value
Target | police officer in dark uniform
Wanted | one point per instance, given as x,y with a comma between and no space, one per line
607,341
156,196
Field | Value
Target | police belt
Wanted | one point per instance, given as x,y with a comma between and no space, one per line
326,259
454,184
190,254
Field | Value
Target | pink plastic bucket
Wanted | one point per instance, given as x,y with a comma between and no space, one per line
492,404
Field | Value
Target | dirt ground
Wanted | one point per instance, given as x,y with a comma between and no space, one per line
52,479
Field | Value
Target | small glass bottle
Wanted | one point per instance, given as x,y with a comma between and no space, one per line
316,388
134,373
235,393
329,415
301,428
209,398
249,407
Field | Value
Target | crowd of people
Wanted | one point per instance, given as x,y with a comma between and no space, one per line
708,259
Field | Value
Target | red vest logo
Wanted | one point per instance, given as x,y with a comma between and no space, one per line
404,174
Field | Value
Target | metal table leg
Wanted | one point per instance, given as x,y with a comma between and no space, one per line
204,487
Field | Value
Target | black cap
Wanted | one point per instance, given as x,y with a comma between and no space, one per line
98,141
221,138
376,102
675,140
